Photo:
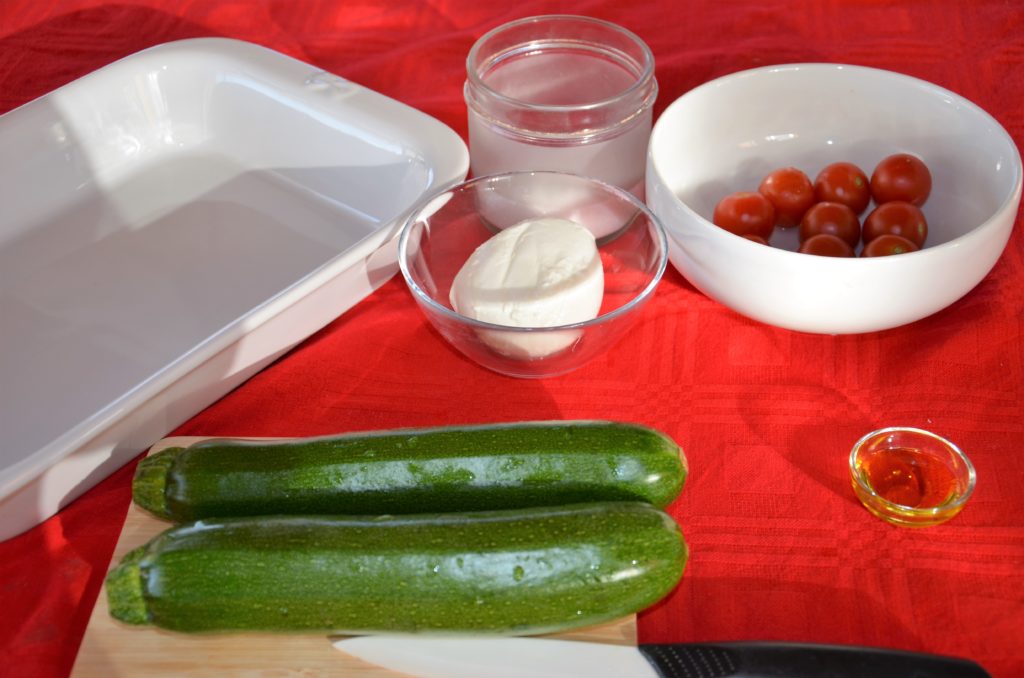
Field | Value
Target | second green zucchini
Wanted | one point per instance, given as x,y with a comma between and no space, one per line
517,572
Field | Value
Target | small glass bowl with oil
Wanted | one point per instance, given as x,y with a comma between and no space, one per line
911,477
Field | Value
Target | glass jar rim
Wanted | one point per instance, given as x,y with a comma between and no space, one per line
643,80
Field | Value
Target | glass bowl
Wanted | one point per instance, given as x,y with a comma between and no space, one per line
444,230
911,477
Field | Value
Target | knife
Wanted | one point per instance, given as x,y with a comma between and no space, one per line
517,657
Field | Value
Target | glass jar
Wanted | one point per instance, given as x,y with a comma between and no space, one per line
564,93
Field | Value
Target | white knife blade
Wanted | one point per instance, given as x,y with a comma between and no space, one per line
503,657
476,657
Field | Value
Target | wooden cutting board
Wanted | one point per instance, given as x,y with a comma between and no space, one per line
111,649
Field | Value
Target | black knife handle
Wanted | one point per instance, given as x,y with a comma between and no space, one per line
796,660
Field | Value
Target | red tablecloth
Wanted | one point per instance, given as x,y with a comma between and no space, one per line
780,547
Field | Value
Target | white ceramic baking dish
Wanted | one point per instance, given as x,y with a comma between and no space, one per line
168,226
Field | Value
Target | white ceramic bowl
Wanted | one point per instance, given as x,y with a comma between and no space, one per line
724,136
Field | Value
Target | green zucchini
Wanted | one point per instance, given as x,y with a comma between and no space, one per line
465,468
513,572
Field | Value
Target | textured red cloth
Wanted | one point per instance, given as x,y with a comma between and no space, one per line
781,549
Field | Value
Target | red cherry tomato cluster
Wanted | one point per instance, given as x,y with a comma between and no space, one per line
827,211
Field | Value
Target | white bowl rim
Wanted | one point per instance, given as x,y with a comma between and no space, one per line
707,226
660,236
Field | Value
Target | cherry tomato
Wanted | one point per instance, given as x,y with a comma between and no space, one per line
845,183
791,194
756,238
831,218
888,244
825,245
901,177
745,213
898,218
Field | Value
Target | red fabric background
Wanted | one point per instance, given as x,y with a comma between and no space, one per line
780,547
